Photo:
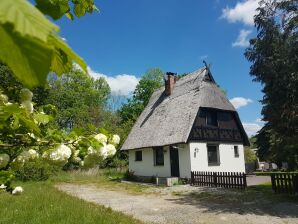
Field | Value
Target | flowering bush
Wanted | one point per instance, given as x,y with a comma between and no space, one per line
26,142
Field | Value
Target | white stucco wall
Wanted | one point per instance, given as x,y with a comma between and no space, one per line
187,161
184,161
146,167
228,162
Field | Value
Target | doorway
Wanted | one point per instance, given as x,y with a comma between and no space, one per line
174,159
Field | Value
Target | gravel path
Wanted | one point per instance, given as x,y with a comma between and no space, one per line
183,209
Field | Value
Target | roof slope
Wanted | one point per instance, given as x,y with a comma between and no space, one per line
168,119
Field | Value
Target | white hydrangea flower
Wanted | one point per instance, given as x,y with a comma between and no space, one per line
17,190
77,159
28,106
91,150
104,150
3,99
21,159
61,153
33,154
101,138
2,187
115,140
26,95
4,160
111,150
31,135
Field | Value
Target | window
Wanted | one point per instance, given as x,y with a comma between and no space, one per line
211,118
236,151
213,155
138,156
158,156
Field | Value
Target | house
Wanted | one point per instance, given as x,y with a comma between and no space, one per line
188,125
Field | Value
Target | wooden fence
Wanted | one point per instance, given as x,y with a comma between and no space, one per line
219,179
284,183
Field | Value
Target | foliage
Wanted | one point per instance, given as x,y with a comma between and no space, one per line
11,87
274,58
249,155
268,173
29,42
36,170
6,178
57,8
151,81
76,96
25,138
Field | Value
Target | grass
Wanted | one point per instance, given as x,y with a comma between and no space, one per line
41,202
106,179
253,194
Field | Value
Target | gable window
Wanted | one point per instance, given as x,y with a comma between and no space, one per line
236,151
211,118
138,156
158,156
213,155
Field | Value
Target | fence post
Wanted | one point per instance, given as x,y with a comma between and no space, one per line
215,179
191,178
244,180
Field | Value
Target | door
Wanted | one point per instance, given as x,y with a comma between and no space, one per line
174,159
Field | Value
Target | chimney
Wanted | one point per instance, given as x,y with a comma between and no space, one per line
170,80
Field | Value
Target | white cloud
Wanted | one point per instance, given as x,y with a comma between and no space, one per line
121,85
251,128
242,40
259,120
244,12
240,102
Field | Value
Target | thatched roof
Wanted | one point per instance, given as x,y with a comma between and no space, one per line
168,120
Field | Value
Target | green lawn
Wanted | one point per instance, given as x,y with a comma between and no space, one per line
42,203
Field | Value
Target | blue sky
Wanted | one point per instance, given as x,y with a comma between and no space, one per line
129,36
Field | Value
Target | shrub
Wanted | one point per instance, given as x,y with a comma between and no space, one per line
37,170
129,175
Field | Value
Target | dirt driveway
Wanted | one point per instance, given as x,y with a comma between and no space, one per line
185,208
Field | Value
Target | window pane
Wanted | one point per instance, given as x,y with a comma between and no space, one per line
138,155
159,158
212,118
213,157
236,151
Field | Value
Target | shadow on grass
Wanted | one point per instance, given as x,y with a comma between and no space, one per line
257,200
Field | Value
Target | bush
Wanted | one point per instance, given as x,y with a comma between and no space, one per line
268,173
130,175
37,170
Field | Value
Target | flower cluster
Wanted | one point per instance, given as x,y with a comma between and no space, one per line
17,190
4,160
59,155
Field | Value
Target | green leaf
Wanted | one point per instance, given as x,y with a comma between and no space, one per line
29,59
54,8
42,118
26,19
63,57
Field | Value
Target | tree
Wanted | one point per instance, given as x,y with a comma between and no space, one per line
151,81
76,96
274,57
29,42
11,87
